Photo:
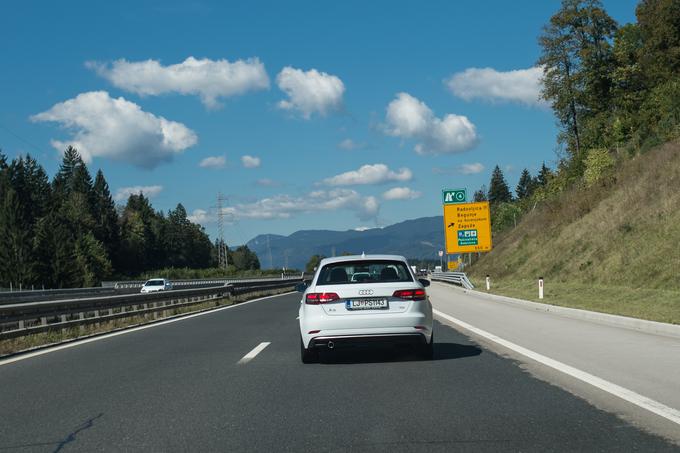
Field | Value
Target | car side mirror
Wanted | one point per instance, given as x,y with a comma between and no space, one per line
425,282
301,287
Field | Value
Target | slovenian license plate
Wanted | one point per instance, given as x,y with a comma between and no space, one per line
366,304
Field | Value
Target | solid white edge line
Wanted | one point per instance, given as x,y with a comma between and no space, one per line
651,405
252,354
131,329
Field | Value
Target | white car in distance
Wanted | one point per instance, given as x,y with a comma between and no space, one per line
386,303
156,284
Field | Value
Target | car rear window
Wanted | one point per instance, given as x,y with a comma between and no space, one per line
369,271
155,283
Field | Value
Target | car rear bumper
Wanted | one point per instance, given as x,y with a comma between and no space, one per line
394,335
342,341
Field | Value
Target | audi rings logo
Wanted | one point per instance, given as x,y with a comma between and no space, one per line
365,292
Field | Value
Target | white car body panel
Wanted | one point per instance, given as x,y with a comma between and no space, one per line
147,288
333,320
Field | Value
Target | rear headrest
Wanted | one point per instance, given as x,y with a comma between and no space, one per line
388,273
338,275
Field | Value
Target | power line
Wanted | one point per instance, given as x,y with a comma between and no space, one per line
21,139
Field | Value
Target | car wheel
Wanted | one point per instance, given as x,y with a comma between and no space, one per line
308,355
427,350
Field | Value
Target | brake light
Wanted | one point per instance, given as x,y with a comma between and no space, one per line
320,298
410,294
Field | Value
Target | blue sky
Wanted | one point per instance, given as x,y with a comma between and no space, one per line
309,90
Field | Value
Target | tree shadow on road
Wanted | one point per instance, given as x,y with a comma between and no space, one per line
402,353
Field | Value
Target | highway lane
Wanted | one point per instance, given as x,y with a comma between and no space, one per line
179,387
645,363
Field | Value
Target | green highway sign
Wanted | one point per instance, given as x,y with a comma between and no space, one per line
450,196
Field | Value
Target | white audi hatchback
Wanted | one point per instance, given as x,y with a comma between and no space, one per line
361,299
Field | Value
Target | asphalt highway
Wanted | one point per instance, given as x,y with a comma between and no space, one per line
232,380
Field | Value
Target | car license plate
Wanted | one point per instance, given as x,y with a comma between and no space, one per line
366,304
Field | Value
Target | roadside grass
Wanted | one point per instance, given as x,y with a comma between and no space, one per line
644,303
28,342
622,233
611,247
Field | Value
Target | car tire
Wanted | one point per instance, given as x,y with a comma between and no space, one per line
308,355
427,349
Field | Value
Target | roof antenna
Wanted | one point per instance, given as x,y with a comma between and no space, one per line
363,254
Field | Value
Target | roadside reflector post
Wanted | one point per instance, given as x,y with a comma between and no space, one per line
540,287
488,282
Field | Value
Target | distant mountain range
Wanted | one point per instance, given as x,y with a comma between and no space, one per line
418,238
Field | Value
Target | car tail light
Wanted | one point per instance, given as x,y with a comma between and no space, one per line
410,294
320,298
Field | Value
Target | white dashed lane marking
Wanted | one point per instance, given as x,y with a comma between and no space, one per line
252,354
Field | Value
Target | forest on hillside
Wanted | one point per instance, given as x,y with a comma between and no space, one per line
615,92
68,232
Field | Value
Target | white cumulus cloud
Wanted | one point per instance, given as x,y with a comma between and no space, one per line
213,162
470,169
124,193
401,193
201,216
310,91
267,182
208,79
102,126
521,85
369,174
348,144
463,169
284,206
250,161
408,117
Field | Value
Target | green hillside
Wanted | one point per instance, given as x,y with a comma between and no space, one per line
612,247
603,227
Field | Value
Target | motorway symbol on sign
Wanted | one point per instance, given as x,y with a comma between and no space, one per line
454,196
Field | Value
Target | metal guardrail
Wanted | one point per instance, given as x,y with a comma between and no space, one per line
188,283
111,288
457,278
26,318
52,294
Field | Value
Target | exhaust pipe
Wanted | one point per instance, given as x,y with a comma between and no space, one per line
331,345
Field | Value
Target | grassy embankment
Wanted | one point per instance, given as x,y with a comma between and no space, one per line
613,248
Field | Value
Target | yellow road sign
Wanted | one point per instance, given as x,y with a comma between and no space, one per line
467,227
453,265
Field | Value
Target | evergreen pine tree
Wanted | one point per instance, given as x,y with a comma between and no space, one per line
93,262
498,187
525,186
480,195
544,175
54,248
63,181
16,258
106,219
